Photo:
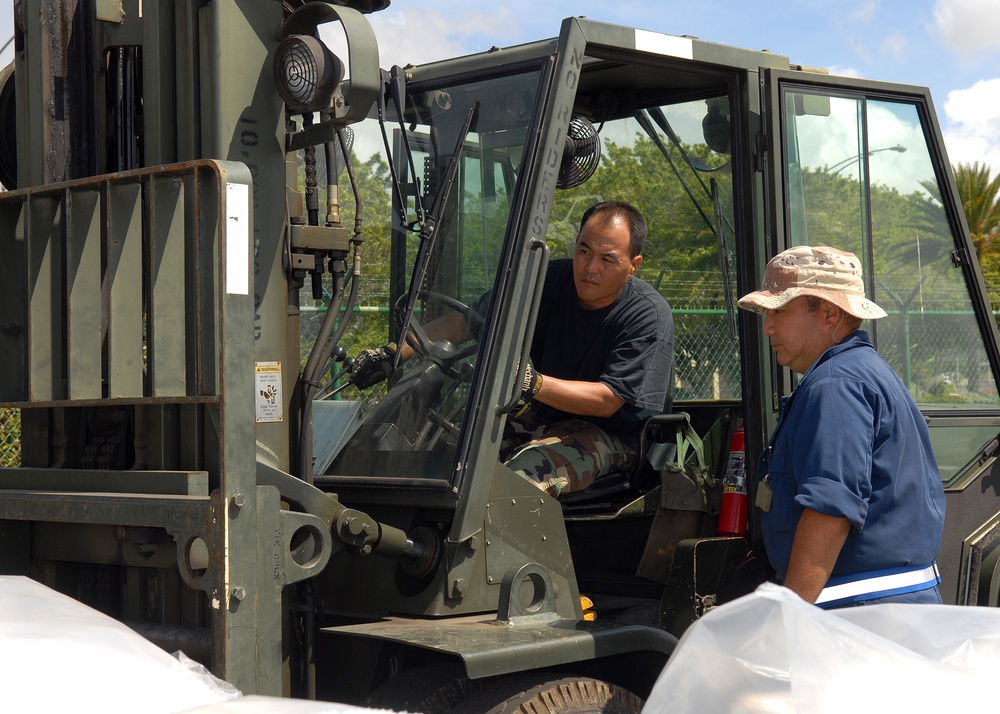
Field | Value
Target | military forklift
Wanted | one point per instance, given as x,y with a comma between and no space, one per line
193,185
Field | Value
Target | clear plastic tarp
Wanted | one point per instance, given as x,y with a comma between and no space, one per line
770,652
58,655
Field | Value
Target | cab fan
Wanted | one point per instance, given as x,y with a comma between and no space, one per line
581,155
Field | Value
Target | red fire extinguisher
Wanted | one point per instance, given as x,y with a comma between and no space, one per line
733,511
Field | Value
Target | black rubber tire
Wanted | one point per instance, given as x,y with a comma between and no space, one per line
431,689
543,694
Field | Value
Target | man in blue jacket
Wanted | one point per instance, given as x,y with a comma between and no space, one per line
852,506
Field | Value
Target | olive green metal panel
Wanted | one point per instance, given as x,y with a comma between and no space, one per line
242,119
83,278
178,514
489,648
171,105
81,308
45,298
124,290
31,91
109,10
181,483
518,526
167,367
194,223
203,265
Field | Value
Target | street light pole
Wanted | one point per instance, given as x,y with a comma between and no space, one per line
844,163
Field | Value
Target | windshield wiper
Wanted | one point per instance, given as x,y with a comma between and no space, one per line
428,227
718,228
647,126
394,85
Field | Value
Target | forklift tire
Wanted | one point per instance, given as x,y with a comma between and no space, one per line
540,694
430,689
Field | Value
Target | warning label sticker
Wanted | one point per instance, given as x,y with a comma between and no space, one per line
268,391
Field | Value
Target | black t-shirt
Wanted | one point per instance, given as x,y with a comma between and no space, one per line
628,345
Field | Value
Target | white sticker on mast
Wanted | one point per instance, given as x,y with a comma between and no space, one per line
661,44
237,239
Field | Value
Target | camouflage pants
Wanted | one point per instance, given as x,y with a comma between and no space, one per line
563,456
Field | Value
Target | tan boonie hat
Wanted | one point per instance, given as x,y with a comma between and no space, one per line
824,272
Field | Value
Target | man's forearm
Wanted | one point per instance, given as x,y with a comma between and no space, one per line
451,327
574,397
815,549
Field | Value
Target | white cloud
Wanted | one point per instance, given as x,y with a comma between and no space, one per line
968,26
973,133
974,130
830,142
423,35
894,45
865,12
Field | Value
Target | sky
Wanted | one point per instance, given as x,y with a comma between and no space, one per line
950,46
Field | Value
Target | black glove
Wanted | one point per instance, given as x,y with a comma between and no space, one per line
373,366
531,384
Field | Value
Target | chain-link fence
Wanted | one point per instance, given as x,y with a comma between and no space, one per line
705,342
937,354
10,437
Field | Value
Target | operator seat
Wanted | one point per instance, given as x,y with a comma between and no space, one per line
618,482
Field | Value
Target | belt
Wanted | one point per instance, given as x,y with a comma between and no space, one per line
872,584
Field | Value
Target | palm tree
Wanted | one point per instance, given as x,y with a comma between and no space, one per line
979,194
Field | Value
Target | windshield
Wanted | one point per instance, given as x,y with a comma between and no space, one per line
680,146
455,156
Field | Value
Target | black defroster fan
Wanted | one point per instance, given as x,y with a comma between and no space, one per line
581,155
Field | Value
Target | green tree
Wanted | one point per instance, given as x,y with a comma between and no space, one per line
684,208
369,324
681,254
980,194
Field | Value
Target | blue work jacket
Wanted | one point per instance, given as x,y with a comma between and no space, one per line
851,442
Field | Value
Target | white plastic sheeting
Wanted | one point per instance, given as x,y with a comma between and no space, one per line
58,655
771,652
274,705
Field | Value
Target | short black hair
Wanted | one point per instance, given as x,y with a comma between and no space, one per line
609,210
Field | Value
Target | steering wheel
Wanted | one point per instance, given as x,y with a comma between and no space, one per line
441,352
443,357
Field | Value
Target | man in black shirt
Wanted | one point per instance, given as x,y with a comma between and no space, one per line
602,359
